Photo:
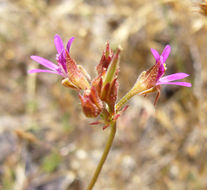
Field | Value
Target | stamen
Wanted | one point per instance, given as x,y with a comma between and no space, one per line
165,67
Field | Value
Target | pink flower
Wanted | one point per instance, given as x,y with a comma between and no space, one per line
159,69
60,68
150,80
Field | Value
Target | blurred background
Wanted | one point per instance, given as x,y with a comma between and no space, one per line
46,143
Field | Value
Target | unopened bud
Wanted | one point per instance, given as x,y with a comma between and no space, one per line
105,60
108,51
91,103
112,94
113,67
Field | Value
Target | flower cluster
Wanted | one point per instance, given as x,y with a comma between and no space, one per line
98,96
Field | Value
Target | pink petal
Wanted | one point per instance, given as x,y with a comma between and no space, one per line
155,54
166,53
58,43
69,43
44,62
43,71
173,77
187,84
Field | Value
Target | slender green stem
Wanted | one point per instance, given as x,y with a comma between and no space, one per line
123,101
104,156
137,88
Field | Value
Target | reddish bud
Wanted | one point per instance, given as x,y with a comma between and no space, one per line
106,83
105,60
113,68
110,93
91,103
98,83
95,98
105,91
113,94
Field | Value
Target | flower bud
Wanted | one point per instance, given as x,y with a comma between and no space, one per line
110,93
113,68
91,103
105,60
106,82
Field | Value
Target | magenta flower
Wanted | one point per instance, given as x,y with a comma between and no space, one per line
150,80
159,69
60,68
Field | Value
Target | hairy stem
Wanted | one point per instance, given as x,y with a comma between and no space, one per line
137,89
123,101
104,156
